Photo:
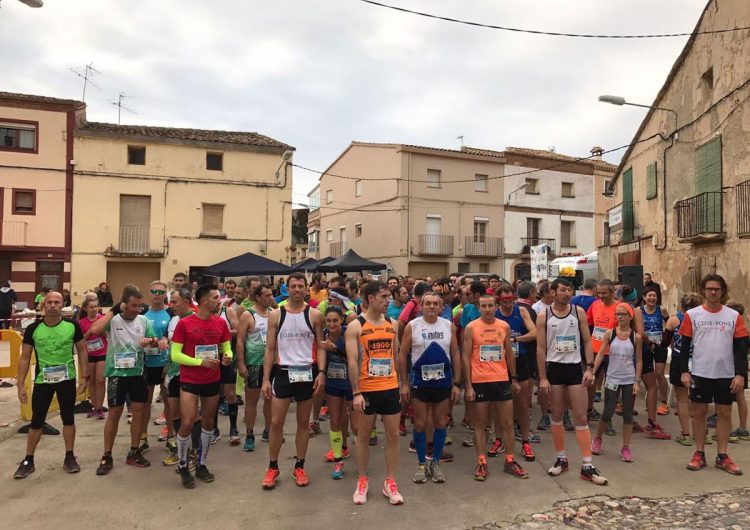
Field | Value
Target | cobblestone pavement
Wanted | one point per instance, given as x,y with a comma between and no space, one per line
729,510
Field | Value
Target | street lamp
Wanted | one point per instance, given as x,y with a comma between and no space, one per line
620,101
525,184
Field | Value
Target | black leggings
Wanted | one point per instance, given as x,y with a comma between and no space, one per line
623,394
41,398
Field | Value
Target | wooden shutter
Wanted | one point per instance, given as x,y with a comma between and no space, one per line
627,205
213,219
651,191
707,162
135,210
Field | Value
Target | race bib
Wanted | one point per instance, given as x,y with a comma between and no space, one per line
263,335
55,374
207,351
151,350
94,345
598,333
433,372
379,368
300,374
611,386
515,347
565,343
490,353
125,360
654,336
336,370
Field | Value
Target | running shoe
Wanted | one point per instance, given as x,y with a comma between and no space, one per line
597,396
534,438
728,465
161,420
567,423
314,429
465,422
515,469
655,431
171,460
345,453
100,415
497,448
420,476
269,481
402,428
744,435
619,408
448,439
187,478
105,465
374,437
234,437
70,465
527,453
594,415
91,413
481,471
338,471
663,409
249,443
224,408
711,421
360,494
559,467
626,455
143,449
216,438
192,462
136,458
684,439
390,490
323,416
204,474
611,429
469,440
264,436
164,434
445,456
734,437
240,401
449,424
300,477
24,470
589,472
708,440
697,462
412,447
517,432
637,427
171,445
436,474
596,446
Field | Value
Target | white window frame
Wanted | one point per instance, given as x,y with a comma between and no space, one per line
357,229
481,183
358,188
329,235
329,196
434,177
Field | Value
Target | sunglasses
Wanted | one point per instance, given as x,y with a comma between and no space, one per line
158,292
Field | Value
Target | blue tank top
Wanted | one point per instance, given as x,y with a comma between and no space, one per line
653,325
337,372
517,328
677,338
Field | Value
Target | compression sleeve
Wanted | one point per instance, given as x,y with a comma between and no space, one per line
740,345
685,345
180,358
226,349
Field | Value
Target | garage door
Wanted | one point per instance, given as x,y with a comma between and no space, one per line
433,269
139,273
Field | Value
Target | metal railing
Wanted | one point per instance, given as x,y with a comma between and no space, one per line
134,240
338,249
435,245
742,196
528,242
487,246
13,234
700,215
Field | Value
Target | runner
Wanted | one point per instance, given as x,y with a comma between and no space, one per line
546,298
490,379
228,395
600,317
251,348
372,348
200,342
96,348
128,333
432,380
292,368
522,334
178,282
53,340
623,347
563,342
741,432
318,291
252,284
718,337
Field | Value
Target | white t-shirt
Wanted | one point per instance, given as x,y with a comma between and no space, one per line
540,307
713,337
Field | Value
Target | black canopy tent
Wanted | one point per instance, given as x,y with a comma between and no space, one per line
246,264
308,264
351,262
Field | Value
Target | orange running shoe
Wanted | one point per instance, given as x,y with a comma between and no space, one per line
269,481
300,478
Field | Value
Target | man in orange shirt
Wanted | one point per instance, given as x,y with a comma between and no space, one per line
318,291
601,318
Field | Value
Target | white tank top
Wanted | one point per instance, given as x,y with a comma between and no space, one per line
621,369
563,337
424,335
295,340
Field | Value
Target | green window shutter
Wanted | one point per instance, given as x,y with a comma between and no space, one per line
651,181
627,205
707,162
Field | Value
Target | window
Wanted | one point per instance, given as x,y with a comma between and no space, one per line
463,268
315,201
533,227
357,188
213,219
568,190
567,234
136,155
329,196
215,161
24,202
135,224
433,178
329,235
484,267
342,234
18,136
651,181
49,274
531,187
707,163
480,182
358,230
608,187
480,230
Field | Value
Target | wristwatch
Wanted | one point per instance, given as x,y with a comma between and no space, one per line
589,365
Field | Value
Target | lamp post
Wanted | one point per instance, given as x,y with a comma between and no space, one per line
620,101
525,184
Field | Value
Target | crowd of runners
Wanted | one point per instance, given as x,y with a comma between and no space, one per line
355,352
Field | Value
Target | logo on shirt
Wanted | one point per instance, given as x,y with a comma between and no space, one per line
433,335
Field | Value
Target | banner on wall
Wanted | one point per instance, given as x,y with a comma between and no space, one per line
539,270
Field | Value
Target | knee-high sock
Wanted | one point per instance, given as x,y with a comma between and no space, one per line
233,416
558,436
420,442
183,446
583,435
206,437
336,444
438,440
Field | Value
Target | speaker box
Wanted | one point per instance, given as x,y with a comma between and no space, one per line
631,275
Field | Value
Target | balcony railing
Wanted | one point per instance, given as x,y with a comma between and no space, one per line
134,241
435,245
13,234
742,195
338,249
528,242
487,246
700,216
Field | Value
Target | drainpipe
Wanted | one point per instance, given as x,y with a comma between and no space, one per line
664,191
408,214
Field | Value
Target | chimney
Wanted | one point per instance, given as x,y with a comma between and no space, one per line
596,152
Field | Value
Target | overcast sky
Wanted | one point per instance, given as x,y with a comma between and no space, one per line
318,74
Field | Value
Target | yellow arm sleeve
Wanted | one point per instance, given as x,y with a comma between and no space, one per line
181,358
226,349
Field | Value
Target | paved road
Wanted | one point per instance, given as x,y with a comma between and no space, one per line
154,498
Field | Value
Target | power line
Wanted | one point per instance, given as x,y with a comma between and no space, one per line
548,33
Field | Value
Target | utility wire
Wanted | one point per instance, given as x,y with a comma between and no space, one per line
548,33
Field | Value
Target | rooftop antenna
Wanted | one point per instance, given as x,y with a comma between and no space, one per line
120,106
461,139
89,72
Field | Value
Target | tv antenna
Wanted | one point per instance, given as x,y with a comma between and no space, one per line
120,106
461,139
87,74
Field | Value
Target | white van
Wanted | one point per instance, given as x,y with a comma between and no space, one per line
575,268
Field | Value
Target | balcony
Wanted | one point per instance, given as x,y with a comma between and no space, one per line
313,249
13,234
742,196
528,242
488,247
338,249
435,245
134,241
700,218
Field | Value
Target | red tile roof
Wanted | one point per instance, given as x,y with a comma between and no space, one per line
30,98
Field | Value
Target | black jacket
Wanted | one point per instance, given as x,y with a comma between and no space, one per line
7,298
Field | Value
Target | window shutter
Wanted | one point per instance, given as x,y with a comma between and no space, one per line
707,161
213,219
651,181
135,210
627,205
24,201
